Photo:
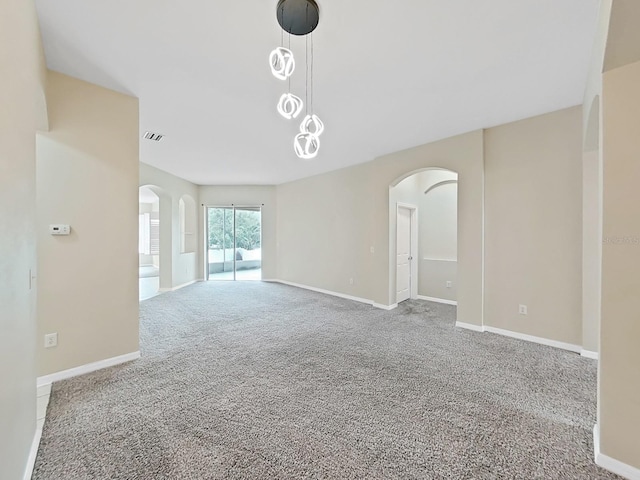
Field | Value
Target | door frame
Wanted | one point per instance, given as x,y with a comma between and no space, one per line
413,238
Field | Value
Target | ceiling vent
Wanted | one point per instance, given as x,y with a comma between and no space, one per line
153,136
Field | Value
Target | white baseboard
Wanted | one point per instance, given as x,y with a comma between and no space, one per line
90,367
385,307
611,464
470,326
335,294
589,354
531,338
173,289
322,290
33,453
521,336
438,300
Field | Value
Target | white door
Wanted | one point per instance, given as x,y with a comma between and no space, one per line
403,251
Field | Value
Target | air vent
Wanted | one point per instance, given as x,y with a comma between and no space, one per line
153,136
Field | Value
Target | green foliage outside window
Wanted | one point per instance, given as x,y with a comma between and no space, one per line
221,228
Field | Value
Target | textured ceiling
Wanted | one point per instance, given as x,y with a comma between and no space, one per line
388,75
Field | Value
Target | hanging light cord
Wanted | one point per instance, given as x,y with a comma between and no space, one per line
311,72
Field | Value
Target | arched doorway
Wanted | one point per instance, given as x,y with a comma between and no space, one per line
423,212
148,243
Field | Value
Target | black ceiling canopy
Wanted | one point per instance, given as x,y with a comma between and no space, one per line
298,17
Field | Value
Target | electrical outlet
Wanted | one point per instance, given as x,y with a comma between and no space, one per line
351,281
449,284
522,310
372,250
50,340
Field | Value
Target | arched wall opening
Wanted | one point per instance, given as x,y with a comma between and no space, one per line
425,207
155,239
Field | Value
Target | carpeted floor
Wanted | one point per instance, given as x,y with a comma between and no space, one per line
256,380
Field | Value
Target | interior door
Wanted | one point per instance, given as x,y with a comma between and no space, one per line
403,250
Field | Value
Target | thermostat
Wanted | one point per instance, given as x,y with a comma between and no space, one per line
59,229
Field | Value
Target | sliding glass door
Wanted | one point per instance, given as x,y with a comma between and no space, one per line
234,243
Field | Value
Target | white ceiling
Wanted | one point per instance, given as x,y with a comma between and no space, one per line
388,75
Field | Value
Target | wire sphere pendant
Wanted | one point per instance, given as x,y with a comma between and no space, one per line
282,63
289,106
312,124
306,145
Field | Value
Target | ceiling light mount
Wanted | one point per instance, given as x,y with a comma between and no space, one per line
298,17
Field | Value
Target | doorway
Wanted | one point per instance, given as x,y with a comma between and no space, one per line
234,243
148,243
423,212
406,252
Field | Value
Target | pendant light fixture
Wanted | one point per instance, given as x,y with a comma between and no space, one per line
298,18
282,63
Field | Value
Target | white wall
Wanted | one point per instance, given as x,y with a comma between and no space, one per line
87,177
176,268
21,104
265,196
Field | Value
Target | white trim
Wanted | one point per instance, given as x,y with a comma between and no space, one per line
589,354
437,300
521,336
89,367
33,453
470,326
385,307
173,289
322,290
334,294
531,338
611,464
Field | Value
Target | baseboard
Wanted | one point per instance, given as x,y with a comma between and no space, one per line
90,367
521,336
438,300
322,290
530,338
173,289
385,307
589,354
334,294
611,464
470,326
33,453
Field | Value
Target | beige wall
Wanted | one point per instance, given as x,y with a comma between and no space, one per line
21,110
176,268
87,176
533,226
620,326
328,225
265,196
